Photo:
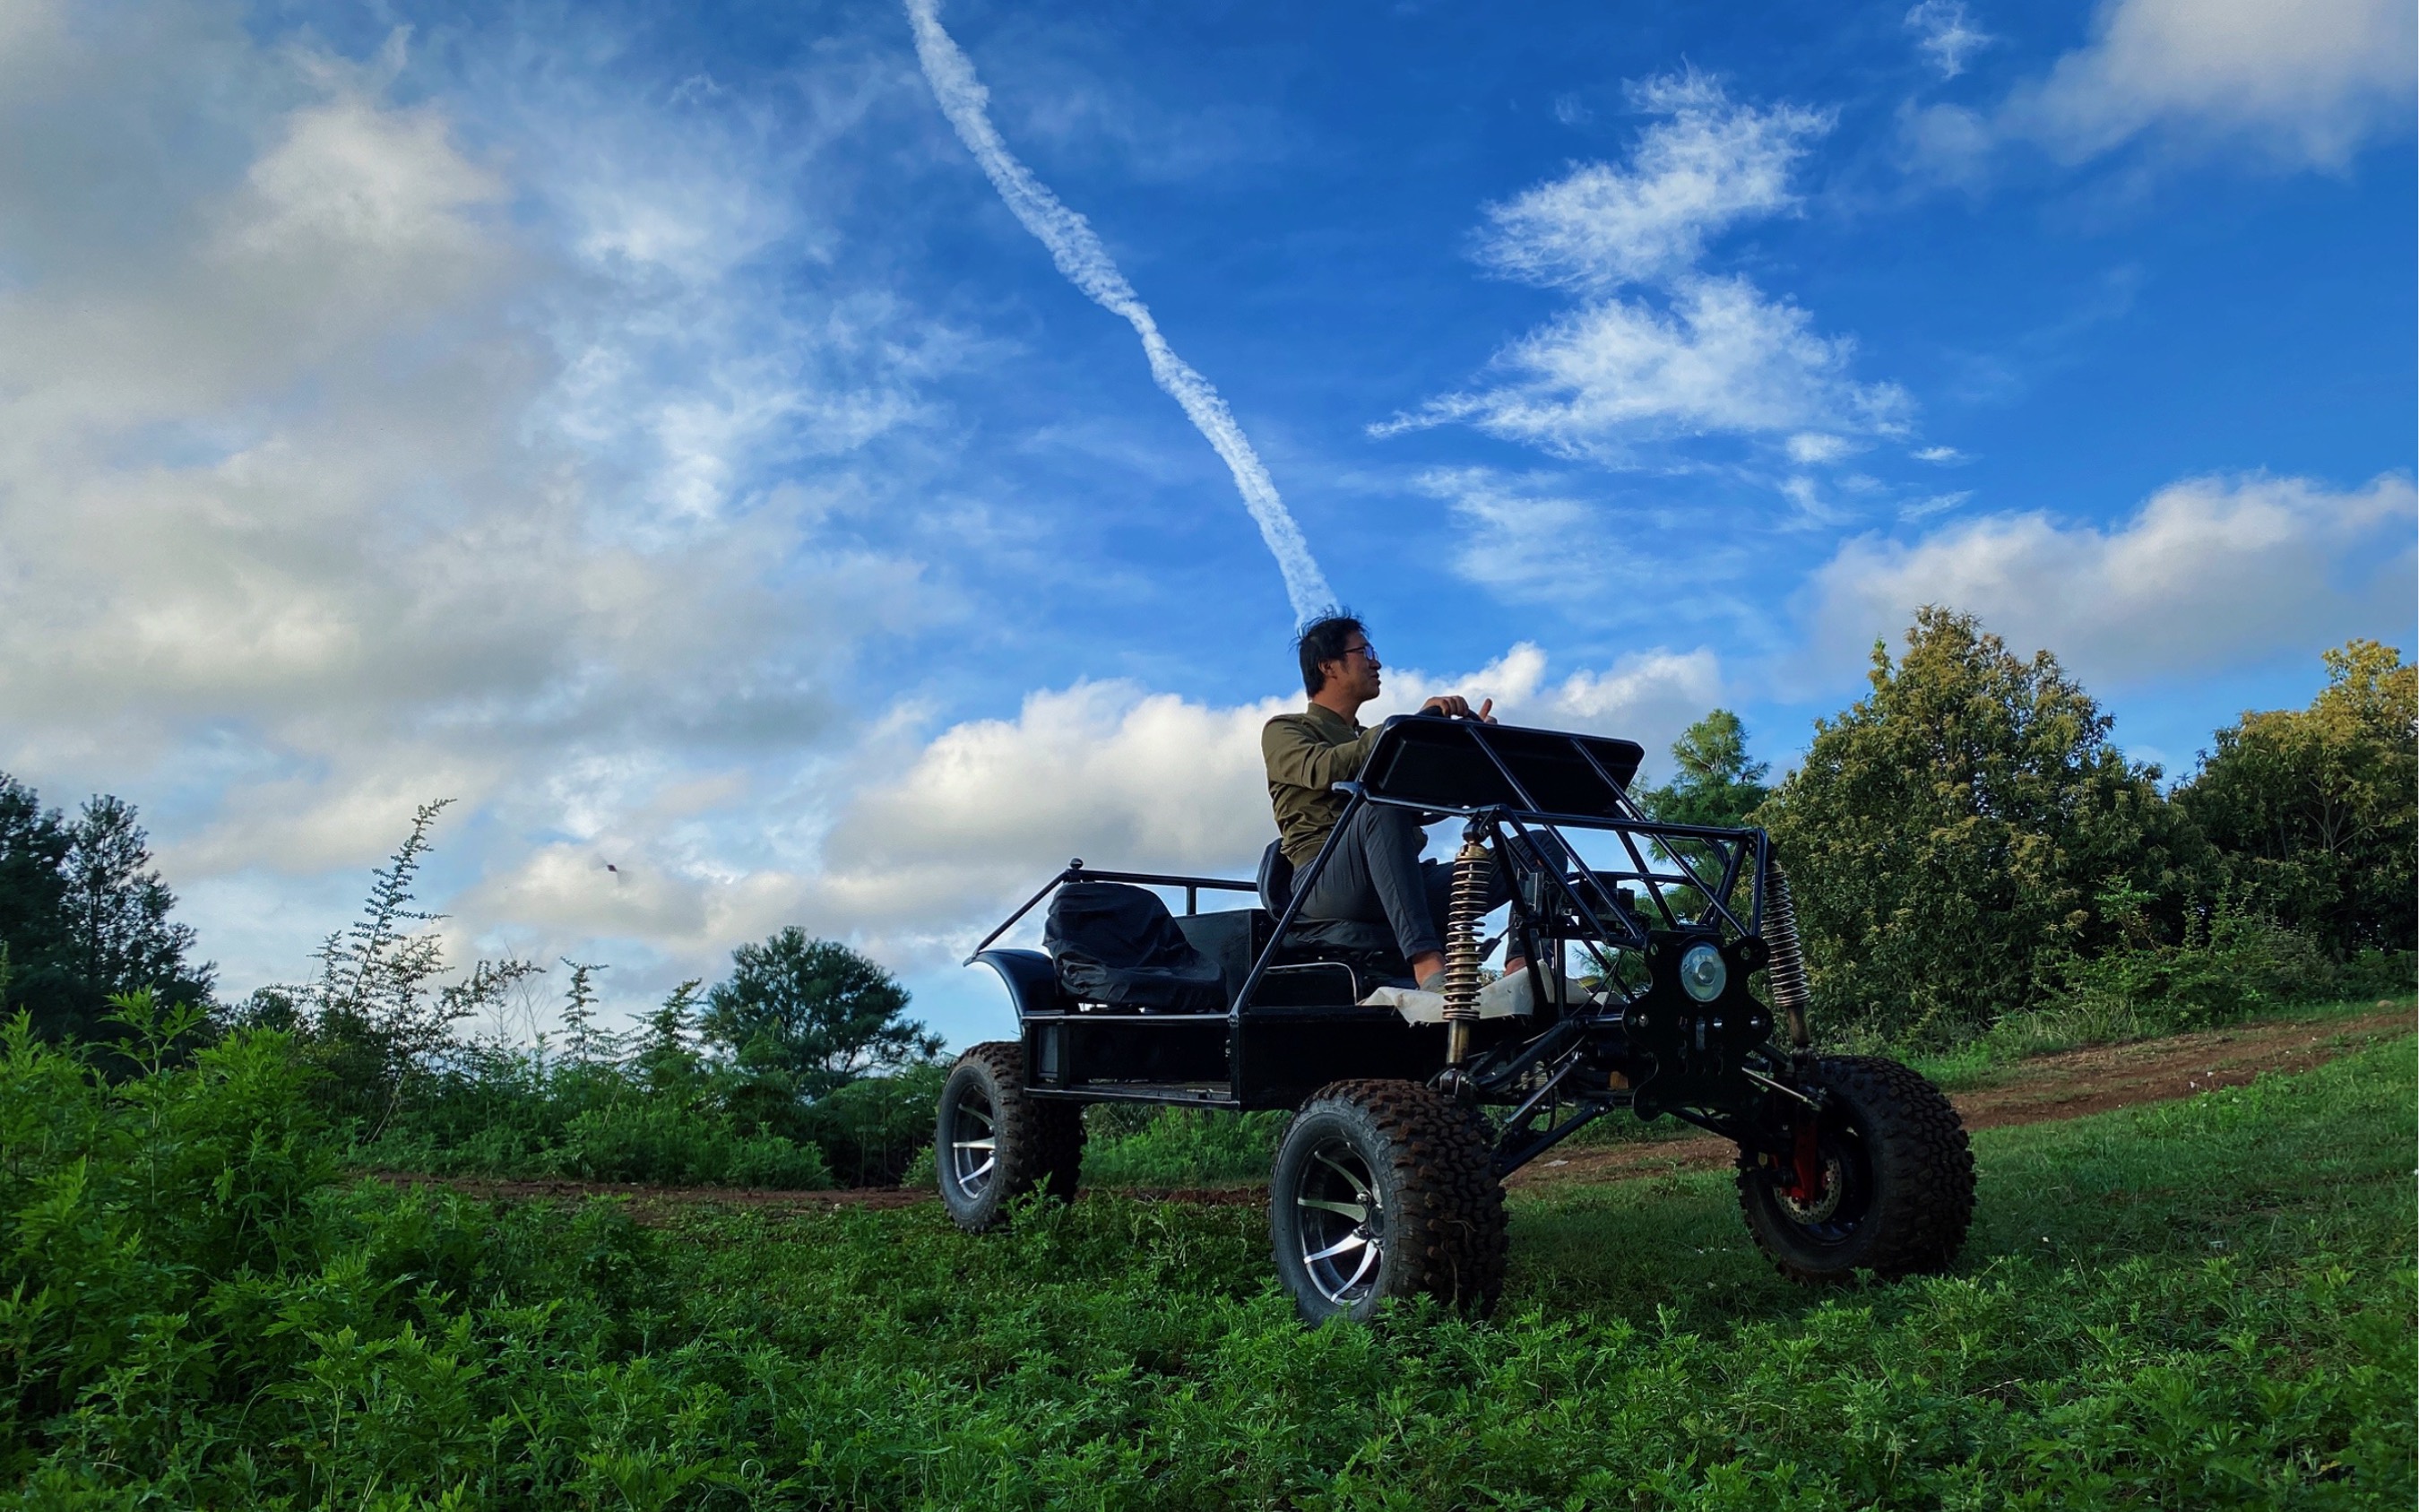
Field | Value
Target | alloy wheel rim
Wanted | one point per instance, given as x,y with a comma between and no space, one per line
1342,1225
974,1144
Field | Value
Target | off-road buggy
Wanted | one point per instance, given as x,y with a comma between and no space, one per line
1641,939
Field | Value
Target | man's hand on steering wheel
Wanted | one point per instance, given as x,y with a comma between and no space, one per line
1453,706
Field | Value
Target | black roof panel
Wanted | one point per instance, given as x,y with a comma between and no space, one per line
1463,764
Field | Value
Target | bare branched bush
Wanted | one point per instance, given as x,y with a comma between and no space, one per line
379,1015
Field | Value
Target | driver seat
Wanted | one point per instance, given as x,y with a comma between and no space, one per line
1322,937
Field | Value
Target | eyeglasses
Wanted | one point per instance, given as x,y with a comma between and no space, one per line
1364,649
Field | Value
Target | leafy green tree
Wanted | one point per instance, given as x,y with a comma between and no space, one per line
814,1013
85,917
1714,782
666,1062
1962,829
119,938
33,843
2313,810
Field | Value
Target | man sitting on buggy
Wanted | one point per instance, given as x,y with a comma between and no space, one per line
1375,875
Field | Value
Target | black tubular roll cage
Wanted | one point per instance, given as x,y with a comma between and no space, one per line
1420,764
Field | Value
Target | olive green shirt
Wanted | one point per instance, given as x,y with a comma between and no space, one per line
1307,754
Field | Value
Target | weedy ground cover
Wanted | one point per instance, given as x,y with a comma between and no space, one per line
2202,1304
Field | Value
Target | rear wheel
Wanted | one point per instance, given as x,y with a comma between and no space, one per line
995,1142
1386,1189
1893,1191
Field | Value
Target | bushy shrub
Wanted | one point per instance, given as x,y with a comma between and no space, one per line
2226,969
871,1129
1188,1147
502,1112
2371,972
656,1140
182,1280
122,1201
649,1105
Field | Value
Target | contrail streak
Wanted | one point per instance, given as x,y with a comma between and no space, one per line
1079,254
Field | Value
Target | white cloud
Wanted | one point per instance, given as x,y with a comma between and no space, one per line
1939,503
1812,509
1706,166
1692,354
1946,36
686,358
1720,360
2291,85
2209,572
1103,770
360,193
1522,538
319,495
1648,697
1943,456
1812,448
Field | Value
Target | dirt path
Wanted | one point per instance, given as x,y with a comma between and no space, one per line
2056,1087
2066,1086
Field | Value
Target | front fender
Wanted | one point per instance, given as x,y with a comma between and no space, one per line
1032,980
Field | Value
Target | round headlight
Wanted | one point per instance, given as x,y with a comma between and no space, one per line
1703,973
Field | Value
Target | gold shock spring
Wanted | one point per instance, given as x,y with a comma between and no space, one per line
1785,970
1473,868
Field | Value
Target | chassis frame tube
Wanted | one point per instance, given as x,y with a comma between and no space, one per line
1078,872
1354,798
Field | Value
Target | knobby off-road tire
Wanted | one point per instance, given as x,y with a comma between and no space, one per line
1898,1181
994,1143
1386,1189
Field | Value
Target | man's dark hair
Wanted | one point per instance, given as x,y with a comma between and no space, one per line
1323,639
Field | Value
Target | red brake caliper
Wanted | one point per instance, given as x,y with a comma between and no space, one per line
1806,1178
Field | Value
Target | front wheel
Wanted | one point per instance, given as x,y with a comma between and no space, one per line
1893,1188
1385,1189
995,1142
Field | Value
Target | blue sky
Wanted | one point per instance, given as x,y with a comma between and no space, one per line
650,427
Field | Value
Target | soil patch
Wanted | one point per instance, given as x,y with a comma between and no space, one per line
2066,1086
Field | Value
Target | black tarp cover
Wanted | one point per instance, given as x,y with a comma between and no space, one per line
1116,945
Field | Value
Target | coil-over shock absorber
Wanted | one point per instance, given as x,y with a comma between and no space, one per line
1786,969
1472,869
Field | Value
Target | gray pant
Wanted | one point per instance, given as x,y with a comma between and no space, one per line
1375,876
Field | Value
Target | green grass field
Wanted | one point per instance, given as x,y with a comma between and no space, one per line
2205,1304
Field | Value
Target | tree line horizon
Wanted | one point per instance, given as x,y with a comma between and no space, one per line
1964,842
